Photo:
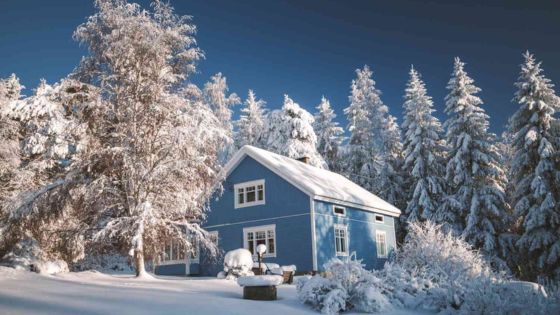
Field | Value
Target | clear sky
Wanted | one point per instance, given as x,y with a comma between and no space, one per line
311,48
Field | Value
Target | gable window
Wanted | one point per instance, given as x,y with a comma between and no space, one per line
249,194
379,218
254,236
341,240
381,243
338,210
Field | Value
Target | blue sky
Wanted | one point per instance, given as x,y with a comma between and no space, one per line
311,48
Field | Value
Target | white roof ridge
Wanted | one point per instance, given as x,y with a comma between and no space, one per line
318,183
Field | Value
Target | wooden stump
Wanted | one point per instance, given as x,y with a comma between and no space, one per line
260,293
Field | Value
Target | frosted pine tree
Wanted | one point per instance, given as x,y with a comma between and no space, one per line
12,87
424,151
476,206
290,132
536,175
329,135
250,125
388,181
215,94
366,119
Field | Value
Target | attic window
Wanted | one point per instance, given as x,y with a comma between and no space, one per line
249,193
379,218
341,211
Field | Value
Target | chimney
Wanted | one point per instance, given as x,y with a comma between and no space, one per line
305,159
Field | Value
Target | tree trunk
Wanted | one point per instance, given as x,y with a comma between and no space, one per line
139,258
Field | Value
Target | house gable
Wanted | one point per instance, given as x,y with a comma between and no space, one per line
281,197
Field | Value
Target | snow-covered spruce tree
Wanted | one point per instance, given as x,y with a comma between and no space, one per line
476,206
536,175
366,116
151,158
424,151
388,181
215,94
329,135
250,125
290,132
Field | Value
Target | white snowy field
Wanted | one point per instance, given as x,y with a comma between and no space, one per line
94,293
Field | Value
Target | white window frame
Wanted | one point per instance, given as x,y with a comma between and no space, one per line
244,186
379,216
378,243
343,214
346,239
262,228
171,261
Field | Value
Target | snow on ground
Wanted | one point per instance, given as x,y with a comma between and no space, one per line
94,293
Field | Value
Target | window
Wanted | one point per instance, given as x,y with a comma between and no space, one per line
249,194
174,252
379,218
254,236
381,243
341,240
338,210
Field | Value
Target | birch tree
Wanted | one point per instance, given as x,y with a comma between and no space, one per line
151,160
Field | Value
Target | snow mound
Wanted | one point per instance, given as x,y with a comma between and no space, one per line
51,267
238,262
258,281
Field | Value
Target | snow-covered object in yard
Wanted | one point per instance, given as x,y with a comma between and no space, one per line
51,267
260,281
27,255
346,286
238,262
318,183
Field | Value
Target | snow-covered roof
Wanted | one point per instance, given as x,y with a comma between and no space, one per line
319,184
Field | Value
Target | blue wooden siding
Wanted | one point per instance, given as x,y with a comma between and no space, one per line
285,206
171,270
361,227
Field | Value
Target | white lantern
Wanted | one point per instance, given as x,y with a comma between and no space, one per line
261,249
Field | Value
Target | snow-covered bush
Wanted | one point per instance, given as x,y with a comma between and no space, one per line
27,255
346,286
238,262
109,262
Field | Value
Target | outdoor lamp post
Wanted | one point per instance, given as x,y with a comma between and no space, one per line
261,249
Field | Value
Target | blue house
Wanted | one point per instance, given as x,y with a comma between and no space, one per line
303,214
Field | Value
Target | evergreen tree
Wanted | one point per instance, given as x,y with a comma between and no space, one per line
215,94
536,171
12,87
366,120
329,135
290,133
250,125
387,179
476,206
424,152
